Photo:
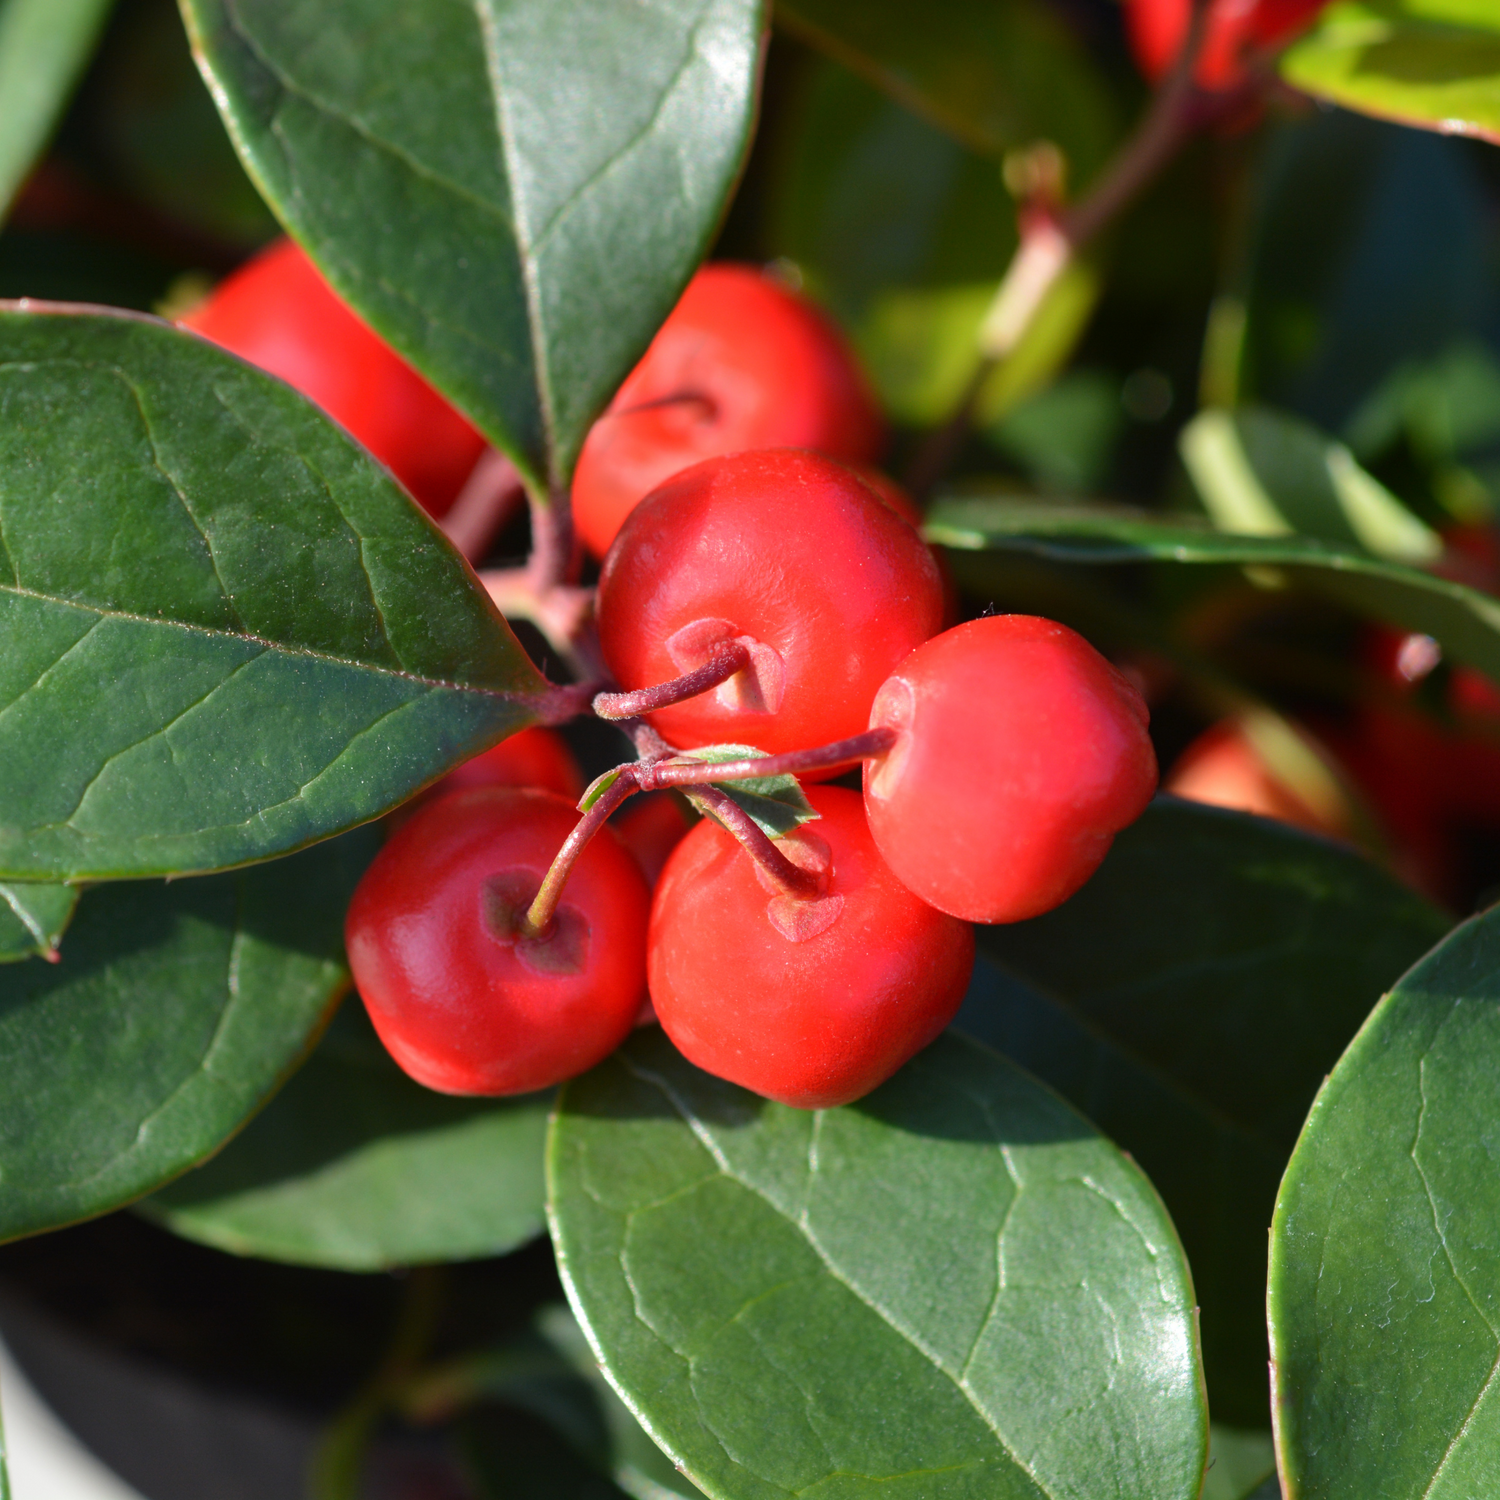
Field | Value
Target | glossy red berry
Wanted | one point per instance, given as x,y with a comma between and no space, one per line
810,1000
741,362
461,1000
790,553
278,312
651,827
1158,28
1021,753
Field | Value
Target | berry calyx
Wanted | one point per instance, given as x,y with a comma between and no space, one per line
788,555
741,362
277,312
1020,753
812,999
465,994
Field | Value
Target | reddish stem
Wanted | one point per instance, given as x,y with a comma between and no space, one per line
729,657
487,501
864,746
753,840
539,915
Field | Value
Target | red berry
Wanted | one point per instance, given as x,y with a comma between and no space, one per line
1158,28
790,553
1022,752
809,1000
461,1001
741,362
652,827
278,312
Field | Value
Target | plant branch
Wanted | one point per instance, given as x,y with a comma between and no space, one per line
696,773
539,915
487,501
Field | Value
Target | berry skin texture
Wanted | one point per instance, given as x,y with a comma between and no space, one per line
277,312
813,1002
462,1003
790,553
1022,752
741,362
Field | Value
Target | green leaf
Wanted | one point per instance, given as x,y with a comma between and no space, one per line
1238,1464
1434,63
33,918
777,804
953,1288
174,1013
225,632
994,76
1383,1270
1466,621
355,1167
44,45
1191,998
1263,473
546,175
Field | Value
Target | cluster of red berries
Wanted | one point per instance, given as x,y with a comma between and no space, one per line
776,603
1235,34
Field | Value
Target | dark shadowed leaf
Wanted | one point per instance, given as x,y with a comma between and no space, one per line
1190,999
544,176
1384,1277
1422,62
174,1013
1466,621
33,918
995,76
224,630
44,45
952,1288
356,1167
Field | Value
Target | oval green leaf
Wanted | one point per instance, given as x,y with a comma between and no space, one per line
1191,998
173,1014
33,918
225,631
1384,1278
545,175
355,1167
44,45
1434,63
953,1288
1466,621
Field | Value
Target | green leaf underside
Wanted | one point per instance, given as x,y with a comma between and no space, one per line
546,174
776,803
33,918
1190,999
355,1167
995,77
952,1288
225,632
1422,62
175,1011
1384,1280
1466,621
44,45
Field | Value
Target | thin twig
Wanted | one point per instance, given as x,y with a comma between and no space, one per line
679,773
488,500
539,915
728,658
753,840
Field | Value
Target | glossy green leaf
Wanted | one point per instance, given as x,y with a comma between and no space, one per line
777,804
545,175
1239,1463
994,76
224,630
1384,1277
355,1167
33,918
952,1288
1466,621
1190,999
1434,63
44,45
174,1013
1261,472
